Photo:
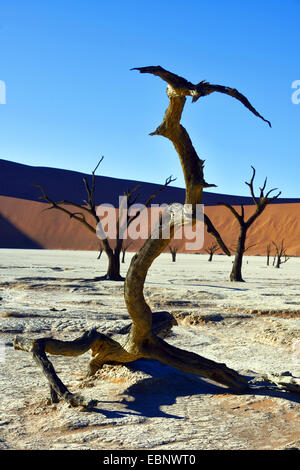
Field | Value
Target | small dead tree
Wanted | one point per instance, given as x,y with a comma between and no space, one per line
94,224
173,251
260,203
268,254
211,250
143,338
125,246
280,252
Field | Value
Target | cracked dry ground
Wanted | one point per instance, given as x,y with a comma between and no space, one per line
147,405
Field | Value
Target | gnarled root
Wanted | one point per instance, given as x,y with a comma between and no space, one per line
106,350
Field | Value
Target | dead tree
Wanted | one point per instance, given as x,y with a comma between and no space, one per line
280,252
89,208
260,203
268,254
142,338
211,250
125,246
173,250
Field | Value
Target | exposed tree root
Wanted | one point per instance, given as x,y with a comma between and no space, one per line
106,350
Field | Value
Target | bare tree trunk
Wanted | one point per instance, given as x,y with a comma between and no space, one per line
236,273
268,254
173,252
113,270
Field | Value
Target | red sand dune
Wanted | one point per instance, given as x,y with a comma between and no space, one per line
25,224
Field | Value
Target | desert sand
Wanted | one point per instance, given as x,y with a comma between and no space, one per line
253,327
26,224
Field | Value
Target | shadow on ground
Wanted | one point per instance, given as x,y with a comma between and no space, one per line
163,388
166,384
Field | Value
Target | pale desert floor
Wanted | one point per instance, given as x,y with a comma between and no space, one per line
253,327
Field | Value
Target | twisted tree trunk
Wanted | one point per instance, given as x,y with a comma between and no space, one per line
143,339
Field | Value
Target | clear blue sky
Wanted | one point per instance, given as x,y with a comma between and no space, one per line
71,97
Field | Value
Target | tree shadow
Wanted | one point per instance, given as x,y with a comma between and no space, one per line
197,284
219,287
166,384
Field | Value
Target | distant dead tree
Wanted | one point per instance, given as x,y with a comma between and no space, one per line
126,244
268,253
211,250
260,203
280,252
173,250
89,208
143,337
